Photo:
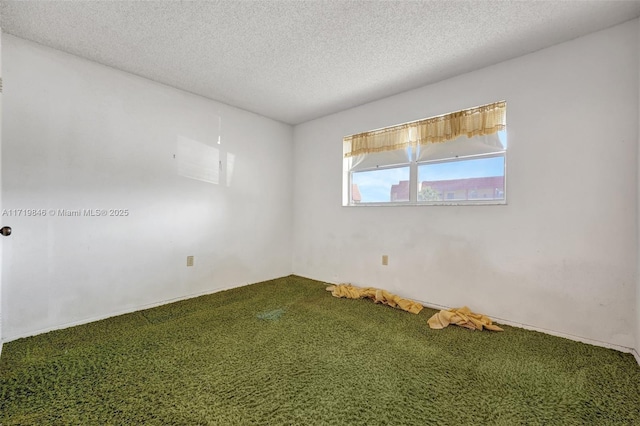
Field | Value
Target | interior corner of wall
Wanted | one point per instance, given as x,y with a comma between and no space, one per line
636,354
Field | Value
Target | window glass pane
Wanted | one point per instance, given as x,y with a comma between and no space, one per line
380,186
479,179
502,135
378,159
462,147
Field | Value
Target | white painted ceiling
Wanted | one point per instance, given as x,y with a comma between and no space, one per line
298,60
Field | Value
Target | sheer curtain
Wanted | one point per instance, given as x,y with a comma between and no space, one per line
485,120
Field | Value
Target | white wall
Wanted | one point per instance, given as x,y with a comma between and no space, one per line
637,353
561,256
1,218
78,135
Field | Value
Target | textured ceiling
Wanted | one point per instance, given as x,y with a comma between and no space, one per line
298,60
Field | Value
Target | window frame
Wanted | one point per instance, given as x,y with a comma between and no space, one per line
377,168
413,165
467,202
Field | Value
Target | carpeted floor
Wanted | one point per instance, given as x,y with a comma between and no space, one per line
286,352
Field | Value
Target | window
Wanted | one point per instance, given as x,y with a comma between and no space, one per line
457,158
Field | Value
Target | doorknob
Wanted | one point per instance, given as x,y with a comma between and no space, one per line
6,231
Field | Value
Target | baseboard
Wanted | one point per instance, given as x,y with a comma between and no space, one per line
534,328
118,313
620,348
550,332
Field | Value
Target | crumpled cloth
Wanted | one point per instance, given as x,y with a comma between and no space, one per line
377,295
462,317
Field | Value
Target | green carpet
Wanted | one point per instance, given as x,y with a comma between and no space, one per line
285,352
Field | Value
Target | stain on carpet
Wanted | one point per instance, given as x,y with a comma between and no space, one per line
271,315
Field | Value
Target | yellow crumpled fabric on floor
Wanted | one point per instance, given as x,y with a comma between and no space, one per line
462,317
377,295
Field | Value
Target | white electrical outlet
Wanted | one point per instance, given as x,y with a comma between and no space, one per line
385,259
189,260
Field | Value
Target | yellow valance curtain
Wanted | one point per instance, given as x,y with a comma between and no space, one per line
479,121
387,139
482,120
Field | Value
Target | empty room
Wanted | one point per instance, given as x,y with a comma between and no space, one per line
320,212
